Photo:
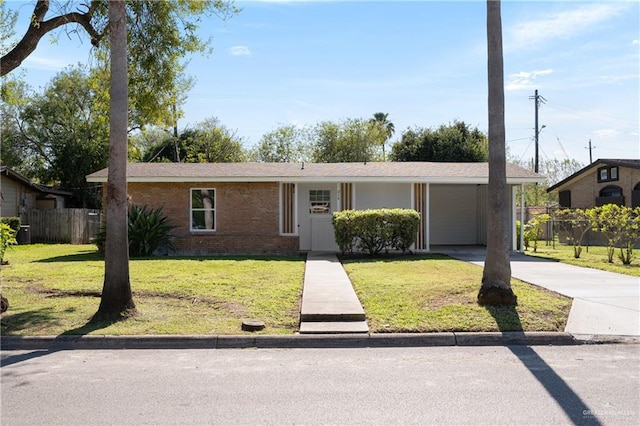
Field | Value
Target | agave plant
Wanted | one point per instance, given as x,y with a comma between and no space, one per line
148,230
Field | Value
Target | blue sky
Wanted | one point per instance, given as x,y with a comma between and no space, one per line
423,62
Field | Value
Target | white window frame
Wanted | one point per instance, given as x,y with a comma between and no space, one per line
312,208
213,209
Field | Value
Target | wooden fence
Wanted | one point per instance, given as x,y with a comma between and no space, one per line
75,226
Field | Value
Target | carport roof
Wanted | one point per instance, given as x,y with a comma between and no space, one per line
477,173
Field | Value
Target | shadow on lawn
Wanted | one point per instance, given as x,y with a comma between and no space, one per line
12,323
77,257
574,407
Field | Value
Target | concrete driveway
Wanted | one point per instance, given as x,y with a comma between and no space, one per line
604,303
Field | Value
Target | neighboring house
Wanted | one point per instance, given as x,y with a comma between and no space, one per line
287,207
19,195
602,182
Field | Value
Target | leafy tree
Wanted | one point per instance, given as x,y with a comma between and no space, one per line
212,142
285,144
533,230
209,142
64,135
621,226
553,170
381,119
8,19
14,96
353,140
496,275
453,142
162,33
576,223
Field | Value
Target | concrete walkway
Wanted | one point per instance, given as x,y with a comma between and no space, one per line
604,303
329,303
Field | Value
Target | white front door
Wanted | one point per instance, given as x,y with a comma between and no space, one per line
322,235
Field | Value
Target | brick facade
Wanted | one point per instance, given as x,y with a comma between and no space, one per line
246,217
586,189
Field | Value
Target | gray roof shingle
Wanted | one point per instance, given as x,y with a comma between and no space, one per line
376,171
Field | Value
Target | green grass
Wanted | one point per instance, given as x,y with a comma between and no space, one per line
55,289
590,257
434,293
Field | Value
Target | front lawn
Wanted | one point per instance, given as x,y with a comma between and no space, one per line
55,289
434,293
590,257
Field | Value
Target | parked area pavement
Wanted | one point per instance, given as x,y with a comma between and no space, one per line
604,303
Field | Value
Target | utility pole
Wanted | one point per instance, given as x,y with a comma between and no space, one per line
538,100
590,148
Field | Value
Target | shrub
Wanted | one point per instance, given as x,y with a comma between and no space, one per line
344,230
375,230
7,238
576,223
13,222
533,230
148,230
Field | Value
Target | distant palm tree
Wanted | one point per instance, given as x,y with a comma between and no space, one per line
496,276
381,119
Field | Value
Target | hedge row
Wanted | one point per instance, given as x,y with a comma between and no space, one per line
372,231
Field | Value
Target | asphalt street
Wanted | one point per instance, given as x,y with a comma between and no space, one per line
586,384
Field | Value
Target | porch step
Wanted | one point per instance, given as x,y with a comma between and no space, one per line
333,327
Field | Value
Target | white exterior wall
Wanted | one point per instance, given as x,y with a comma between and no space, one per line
382,195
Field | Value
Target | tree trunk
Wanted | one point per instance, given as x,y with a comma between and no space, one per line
496,277
117,299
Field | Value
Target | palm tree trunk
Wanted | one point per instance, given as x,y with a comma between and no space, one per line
496,277
116,292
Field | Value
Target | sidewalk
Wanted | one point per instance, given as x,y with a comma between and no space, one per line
329,303
604,303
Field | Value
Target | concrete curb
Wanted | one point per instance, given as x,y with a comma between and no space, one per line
304,341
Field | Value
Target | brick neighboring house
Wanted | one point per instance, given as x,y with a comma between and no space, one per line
287,207
604,181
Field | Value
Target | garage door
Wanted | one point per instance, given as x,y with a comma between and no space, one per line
453,214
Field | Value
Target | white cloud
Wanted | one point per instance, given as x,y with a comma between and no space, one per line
636,41
524,79
240,51
563,25
42,63
605,133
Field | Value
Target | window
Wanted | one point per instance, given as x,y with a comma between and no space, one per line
610,194
607,174
319,201
564,199
203,209
611,191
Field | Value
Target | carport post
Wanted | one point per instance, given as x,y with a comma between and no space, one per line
522,216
